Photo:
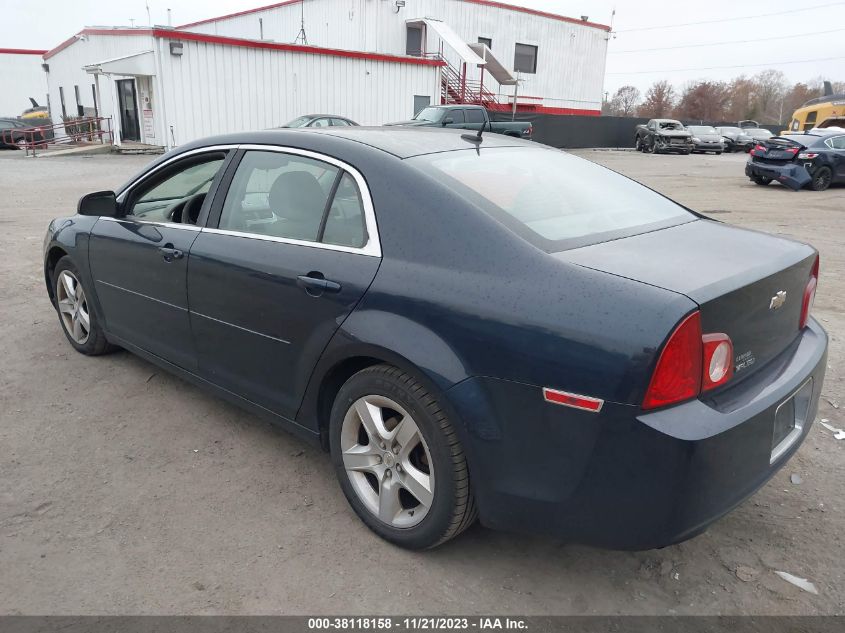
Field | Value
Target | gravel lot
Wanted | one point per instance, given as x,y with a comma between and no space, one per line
126,490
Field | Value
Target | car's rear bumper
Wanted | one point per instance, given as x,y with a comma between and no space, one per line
623,478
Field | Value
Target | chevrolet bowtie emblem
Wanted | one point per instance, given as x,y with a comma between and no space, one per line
778,300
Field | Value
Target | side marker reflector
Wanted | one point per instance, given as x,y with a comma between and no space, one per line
585,403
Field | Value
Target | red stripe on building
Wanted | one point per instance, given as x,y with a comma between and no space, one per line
489,3
238,14
20,51
75,38
293,48
539,109
542,14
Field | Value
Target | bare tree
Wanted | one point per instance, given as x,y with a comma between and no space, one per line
704,101
624,102
769,92
740,103
659,100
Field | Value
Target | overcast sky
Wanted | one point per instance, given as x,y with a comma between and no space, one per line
45,23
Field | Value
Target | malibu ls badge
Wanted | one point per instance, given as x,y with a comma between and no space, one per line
778,300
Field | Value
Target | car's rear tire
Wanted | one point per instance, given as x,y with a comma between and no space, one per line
761,180
821,179
718,153
78,320
398,459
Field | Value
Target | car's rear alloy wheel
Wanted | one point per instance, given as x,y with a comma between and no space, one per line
78,320
387,461
821,179
398,459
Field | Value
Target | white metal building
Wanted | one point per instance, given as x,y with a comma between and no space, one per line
22,78
373,61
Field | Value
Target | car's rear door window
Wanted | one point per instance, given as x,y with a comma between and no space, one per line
552,199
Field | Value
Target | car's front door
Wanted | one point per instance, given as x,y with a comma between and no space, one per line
287,254
139,260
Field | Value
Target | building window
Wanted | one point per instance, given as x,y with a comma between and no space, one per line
525,58
62,99
487,41
414,41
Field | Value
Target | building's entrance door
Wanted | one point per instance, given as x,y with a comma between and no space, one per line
128,102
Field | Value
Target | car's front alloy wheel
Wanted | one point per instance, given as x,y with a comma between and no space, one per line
398,459
78,320
73,307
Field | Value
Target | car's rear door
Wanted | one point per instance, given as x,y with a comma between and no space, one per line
837,143
139,260
290,248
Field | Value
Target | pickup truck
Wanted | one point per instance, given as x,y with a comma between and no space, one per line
466,117
663,135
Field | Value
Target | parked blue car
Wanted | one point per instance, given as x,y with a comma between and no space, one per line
472,327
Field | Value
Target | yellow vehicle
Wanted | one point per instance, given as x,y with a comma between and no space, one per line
816,111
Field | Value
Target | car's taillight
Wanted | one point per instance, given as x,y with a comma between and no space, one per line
677,376
792,150
807,155
718,360
809,294
691,362
759,148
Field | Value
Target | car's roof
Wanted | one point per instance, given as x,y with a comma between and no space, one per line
402,142
405,142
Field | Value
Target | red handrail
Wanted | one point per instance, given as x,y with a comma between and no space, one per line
91,129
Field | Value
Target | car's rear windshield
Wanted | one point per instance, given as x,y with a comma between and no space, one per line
552,199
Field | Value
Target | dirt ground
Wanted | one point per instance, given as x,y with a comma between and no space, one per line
124,490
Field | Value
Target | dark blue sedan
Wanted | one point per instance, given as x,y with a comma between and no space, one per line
472,327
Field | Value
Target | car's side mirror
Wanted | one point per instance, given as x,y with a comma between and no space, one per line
448,120
103,203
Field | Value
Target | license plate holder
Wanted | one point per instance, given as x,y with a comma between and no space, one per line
790,420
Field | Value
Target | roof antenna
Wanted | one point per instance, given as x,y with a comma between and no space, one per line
476,138
301,38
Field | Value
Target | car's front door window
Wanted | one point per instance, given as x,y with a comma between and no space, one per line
165,196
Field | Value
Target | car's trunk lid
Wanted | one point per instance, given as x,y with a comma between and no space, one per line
748,285
776,151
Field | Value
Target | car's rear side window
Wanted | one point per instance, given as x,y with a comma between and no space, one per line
552,199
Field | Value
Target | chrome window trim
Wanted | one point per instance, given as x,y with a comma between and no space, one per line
167,225
372,248
200,150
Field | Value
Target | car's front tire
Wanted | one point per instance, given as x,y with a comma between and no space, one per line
78,320
821,179
398,459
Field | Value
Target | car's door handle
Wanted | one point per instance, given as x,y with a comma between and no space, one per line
315,284
169,253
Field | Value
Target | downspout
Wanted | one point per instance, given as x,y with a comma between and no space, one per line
159,84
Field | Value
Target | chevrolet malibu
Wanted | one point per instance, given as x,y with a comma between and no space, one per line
471,327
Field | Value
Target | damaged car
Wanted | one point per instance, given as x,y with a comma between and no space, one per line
816,159
663,135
